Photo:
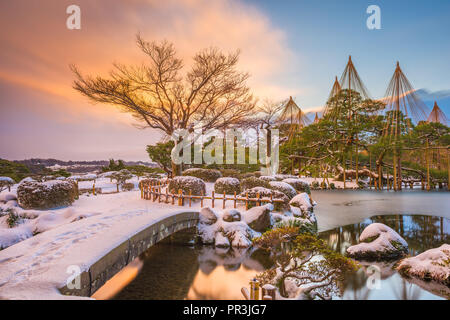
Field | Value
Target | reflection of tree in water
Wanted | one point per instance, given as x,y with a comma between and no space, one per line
167,273
421,232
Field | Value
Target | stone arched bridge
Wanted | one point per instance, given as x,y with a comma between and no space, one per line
113,261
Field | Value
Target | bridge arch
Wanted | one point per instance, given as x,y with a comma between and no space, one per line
115,260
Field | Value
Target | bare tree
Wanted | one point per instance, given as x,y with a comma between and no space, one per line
160,96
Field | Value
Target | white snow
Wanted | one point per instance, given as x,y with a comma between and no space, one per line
36,267
435,262
302,201
7,179
383,243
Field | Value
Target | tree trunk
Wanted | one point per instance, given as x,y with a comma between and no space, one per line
176,169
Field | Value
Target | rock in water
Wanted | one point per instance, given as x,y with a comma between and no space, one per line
207,216
433,264
378,242
231,215
304,203
258,218
221,241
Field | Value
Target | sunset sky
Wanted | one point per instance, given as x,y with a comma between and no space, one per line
291,48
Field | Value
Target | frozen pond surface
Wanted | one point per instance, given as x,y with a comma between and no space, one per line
422,218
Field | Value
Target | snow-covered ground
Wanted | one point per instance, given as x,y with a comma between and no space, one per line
37,266
45,243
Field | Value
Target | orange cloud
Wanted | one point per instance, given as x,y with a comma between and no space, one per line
36,53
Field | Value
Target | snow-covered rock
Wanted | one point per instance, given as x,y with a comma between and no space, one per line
258,218
284,187
231,215
378,242
303,202
207,216
221,241
227,185
433,264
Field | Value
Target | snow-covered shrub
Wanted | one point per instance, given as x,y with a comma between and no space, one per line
245,175
281,177
303,225
13,218
284,187
268,178
227,185
46,195
266,193
433,264
6,183
378,242
230,173
208,175
298,184
121,177
128,186
186,183
252,182
332,186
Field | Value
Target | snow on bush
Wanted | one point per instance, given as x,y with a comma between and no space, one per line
208,175
281,177
230,173
284,187
128,186
186,183
298,184
46,195
268,178
266,193
227,185
378,242
433,264
251,182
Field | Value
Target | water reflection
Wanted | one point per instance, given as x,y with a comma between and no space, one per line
181,272
421,233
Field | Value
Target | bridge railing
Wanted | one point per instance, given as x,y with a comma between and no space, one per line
154,192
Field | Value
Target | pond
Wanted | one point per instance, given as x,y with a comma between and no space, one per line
421,218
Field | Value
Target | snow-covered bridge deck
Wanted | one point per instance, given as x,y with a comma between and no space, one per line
123,227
